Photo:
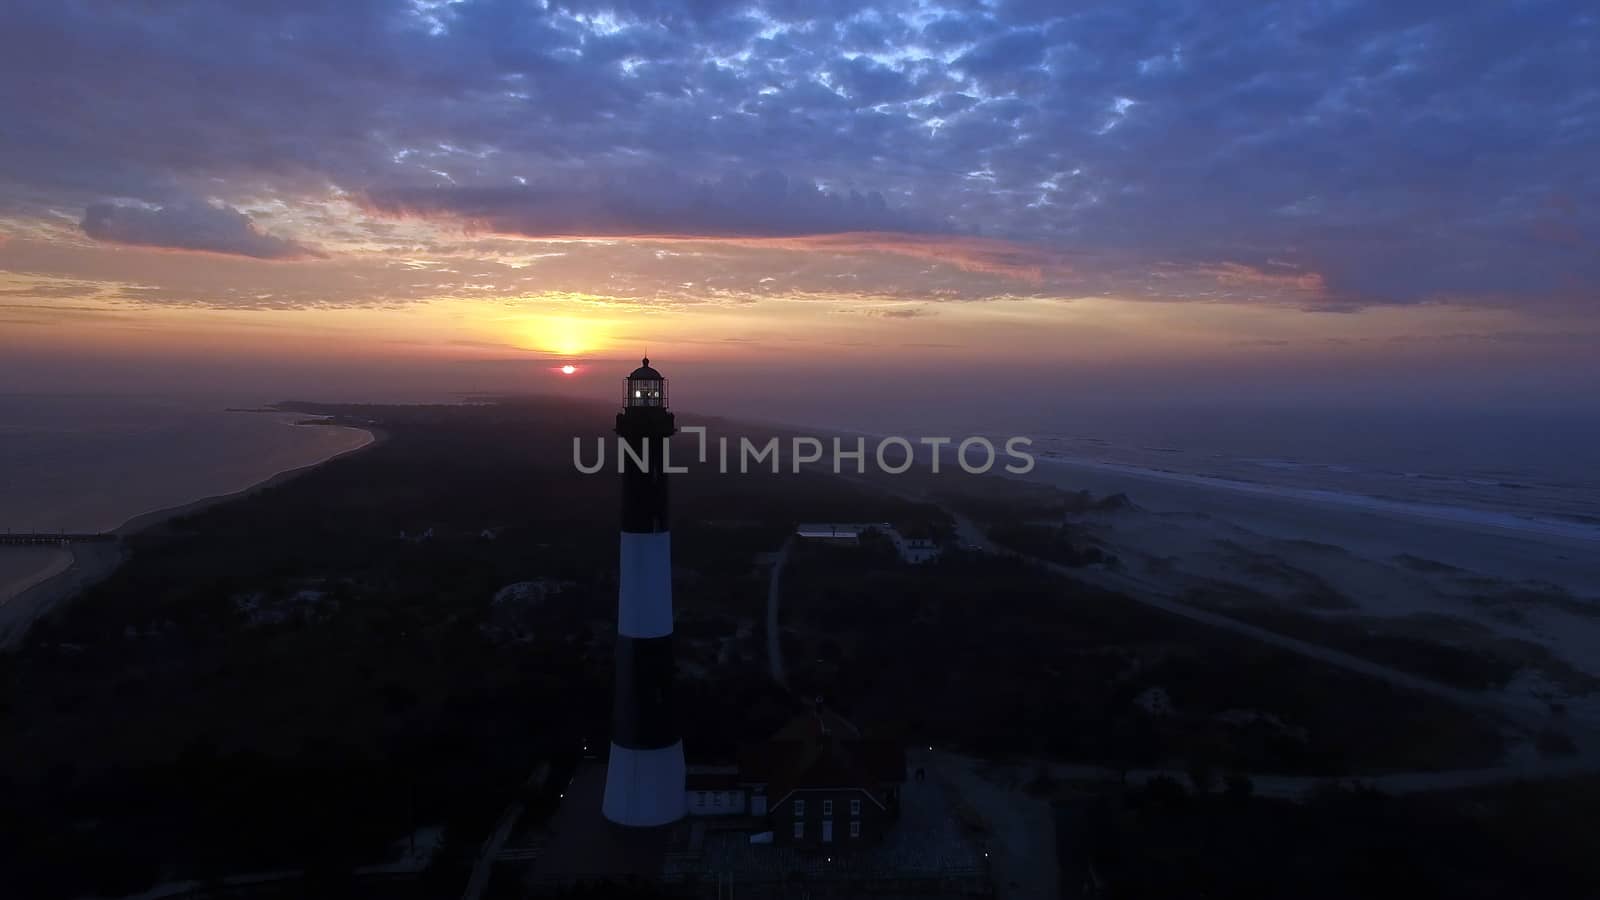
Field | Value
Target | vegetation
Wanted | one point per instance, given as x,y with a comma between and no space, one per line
1522,840
303,678
1057,543
1001,657
1473,663
299,678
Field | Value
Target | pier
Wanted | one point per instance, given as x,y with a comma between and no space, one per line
19,538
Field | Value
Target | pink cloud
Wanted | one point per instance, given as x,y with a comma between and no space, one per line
1015,260
1291,280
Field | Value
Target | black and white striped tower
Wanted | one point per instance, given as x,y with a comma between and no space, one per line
645,777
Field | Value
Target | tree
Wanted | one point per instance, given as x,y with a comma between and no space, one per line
1166,792
1201,774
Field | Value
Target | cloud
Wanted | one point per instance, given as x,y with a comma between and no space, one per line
766,205
1403,152
200,227
1309,285
1015,260
905,312
767,211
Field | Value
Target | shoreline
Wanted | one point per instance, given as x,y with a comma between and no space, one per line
1379,530
1469,517
61,560
93,562
1053,467
1178,515
147,520
1293,566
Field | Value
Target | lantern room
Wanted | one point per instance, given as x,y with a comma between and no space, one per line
645,386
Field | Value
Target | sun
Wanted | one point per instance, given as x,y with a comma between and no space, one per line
568,369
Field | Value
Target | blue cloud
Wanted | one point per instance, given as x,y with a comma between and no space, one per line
764,205
189,226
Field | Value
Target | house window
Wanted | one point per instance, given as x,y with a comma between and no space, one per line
700,798
827,807
855,806
855,829
799,829
799,809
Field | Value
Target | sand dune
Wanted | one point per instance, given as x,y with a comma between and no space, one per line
1525,594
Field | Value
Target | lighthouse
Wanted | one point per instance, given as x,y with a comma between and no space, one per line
645,776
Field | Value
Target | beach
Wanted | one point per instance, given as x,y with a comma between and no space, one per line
1499,545
23,567
34,579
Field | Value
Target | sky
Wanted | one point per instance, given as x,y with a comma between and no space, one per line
1011,204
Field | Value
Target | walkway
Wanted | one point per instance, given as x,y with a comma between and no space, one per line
774,646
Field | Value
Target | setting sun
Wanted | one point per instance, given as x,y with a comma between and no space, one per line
568,370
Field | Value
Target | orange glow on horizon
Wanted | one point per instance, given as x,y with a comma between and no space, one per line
818,307
564,334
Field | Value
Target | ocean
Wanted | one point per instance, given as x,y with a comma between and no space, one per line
90,463
1532,472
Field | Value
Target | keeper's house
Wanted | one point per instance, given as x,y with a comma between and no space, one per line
816,783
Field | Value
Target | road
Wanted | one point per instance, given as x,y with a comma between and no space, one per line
496,841
242,885
491,849
1283,787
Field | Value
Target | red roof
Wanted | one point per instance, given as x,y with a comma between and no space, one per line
814,752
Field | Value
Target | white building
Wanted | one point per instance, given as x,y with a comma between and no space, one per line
913,551
714,791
